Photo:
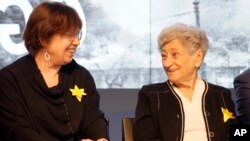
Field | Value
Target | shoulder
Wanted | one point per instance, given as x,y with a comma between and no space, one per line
77,72
74,67
155,88
219,92
20,65
243,76
245,73
217,88
18,70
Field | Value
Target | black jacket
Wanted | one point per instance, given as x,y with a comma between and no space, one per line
242,96
160,115
30,111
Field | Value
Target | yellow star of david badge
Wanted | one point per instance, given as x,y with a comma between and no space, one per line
226,114
78,93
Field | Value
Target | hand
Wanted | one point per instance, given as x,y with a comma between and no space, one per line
102,139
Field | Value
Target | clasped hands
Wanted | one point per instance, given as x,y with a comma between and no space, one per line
102,139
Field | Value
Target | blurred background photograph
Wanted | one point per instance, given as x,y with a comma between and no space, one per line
119,44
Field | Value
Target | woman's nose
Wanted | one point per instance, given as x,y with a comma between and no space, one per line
76,41
167,62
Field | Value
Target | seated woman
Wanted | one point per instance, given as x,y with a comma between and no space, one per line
185,107
46,95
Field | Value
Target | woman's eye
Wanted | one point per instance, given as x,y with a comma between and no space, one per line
175,54
164,57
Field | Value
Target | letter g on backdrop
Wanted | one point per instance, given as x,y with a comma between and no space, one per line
9,29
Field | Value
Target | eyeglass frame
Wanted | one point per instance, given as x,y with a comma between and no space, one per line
72,36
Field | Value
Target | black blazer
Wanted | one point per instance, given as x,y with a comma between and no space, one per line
160,116
242,96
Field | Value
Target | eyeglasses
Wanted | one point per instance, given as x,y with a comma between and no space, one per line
71,36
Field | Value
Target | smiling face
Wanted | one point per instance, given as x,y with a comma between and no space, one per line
46,21
179,65
62,48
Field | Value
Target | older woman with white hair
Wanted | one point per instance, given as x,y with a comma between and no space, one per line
185,107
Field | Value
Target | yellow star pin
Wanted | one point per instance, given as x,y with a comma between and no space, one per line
78,93
226,114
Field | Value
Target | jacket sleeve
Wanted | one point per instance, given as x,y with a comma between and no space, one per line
15,124
95,125
242,97
144,128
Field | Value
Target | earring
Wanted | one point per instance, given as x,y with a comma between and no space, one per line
197,66
46,56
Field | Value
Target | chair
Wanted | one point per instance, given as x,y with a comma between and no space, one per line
127,128
107,120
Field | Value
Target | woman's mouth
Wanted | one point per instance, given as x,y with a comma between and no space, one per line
71,50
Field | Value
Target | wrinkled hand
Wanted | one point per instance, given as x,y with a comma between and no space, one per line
102,139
